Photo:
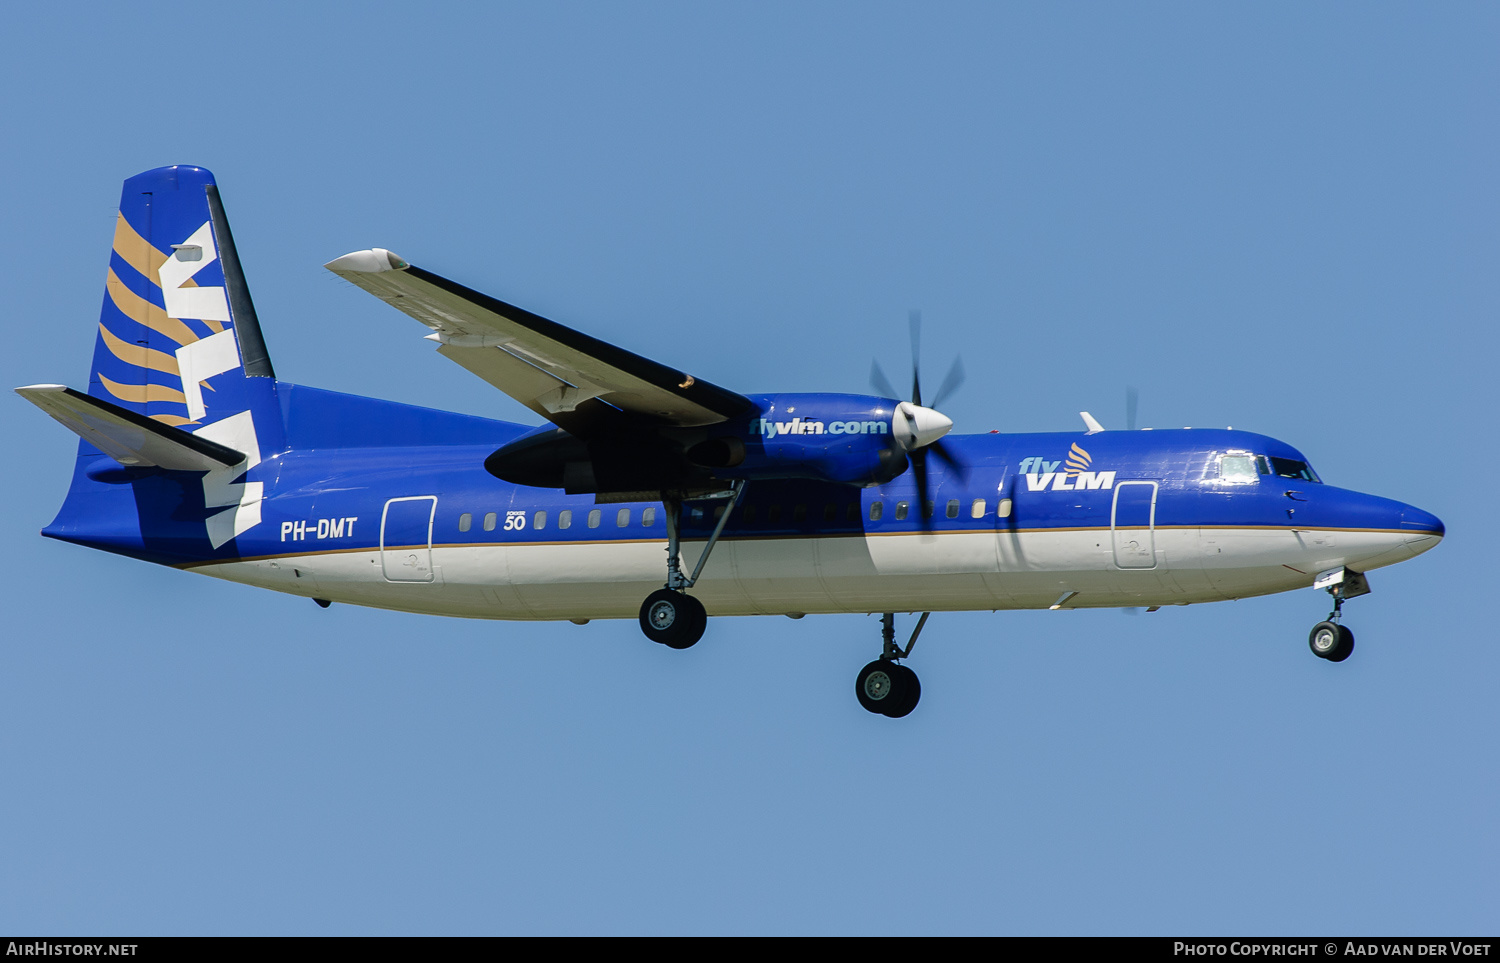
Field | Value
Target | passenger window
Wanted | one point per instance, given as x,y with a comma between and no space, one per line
539,520
977,509
799,514
565,518
594,517
465,522
747,514
622,518
830,512
1238,469
1002,510
719,511
901,511
773,515
489,521
648,517
876,510
952,508
851,515
696,516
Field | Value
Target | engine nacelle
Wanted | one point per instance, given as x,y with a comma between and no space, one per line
849,439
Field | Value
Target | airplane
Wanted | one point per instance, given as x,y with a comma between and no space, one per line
649,492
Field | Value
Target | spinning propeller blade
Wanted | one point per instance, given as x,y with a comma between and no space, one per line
951,383
880,382
918,428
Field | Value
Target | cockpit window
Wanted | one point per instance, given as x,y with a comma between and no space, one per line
1238,468
1291,468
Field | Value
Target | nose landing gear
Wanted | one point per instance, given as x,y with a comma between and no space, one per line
1330,639
885,687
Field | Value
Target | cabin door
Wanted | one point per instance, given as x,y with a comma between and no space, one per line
1132,524
406,538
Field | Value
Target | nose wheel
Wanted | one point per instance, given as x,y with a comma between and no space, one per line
885,687
1331,641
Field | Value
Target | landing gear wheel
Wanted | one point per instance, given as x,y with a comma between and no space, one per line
673,619
1331,641
909,692
887,689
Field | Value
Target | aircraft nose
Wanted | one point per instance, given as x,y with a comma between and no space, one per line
1420,530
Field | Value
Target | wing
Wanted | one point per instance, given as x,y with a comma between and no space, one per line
565,376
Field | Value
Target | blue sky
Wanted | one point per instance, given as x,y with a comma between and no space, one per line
1281,217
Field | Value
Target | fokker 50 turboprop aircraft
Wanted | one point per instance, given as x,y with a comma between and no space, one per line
648,483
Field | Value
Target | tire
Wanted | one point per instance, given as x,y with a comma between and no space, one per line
1331,641
1346,645
673,619
910,693
881,685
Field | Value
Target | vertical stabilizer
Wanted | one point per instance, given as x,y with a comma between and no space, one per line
178,339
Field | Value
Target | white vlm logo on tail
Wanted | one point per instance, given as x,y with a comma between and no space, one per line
237,432
217,353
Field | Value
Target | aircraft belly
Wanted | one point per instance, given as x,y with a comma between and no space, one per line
912,572
923,570
778,575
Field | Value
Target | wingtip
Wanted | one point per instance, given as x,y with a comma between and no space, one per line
373,261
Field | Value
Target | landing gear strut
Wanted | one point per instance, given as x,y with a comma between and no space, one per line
884,686
669,615
1331,639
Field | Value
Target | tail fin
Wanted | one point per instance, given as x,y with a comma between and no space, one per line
178,341
181,381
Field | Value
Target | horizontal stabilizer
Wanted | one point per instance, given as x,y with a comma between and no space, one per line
130,439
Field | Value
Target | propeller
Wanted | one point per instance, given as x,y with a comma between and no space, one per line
919,429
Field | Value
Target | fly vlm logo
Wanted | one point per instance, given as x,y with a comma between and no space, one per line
1075,475
803,426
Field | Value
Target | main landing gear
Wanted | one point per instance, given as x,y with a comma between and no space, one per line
669,615
1331,639
884,686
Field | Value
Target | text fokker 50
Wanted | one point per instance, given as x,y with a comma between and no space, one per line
648,483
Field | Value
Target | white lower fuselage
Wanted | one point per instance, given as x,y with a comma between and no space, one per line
942,571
